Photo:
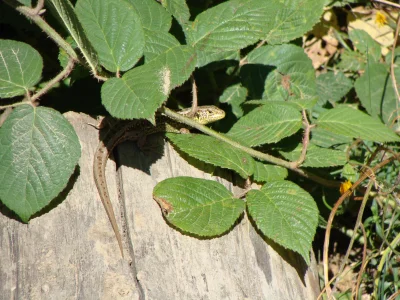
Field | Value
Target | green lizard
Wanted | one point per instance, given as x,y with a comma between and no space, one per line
138,130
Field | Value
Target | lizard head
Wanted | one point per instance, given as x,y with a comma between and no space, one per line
205,114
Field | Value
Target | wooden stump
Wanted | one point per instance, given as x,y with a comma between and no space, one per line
69,250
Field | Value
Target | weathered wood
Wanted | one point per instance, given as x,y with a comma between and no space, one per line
70,251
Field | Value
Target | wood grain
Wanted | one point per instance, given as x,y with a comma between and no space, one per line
70,252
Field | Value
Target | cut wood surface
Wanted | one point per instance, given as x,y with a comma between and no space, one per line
69,250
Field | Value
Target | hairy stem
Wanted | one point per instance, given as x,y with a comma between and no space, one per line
252,152
306,140
38,20
64,73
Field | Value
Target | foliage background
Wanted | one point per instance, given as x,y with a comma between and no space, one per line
350,51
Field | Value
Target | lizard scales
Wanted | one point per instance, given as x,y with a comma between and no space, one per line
137,130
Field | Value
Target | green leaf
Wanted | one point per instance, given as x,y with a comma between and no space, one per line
294,77
352,61
219,32
291,19
365,44
230,26
115,31
349,173
285,213
376,92
20,68
234,95
79,71
265,173
39,150
26,2
204,57
354,123
332,87
178,9
154,17
140,91
213,151
67,16
253,77
198,206
267,124
158,43
317,157
236,24
326,139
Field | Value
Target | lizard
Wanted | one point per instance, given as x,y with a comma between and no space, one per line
138,130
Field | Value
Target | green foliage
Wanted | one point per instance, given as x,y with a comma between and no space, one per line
376,92
20,68
178,9
234,95
243,55
152,15
326,139
294,77
266,173
39,151
365,44
224,155
285,213
267,124
65,12
142,90
352,61
198,206
317,157
115,31
354,123
332,87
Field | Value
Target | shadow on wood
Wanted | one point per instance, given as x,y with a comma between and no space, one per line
70,251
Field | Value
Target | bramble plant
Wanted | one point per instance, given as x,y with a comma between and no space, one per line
285,127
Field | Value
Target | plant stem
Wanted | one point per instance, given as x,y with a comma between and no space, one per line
383,260
306,140
64,73
38,8
23,102
368,172
252,152
38,20
356,226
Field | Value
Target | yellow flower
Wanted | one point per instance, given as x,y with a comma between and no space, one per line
380,19
345,186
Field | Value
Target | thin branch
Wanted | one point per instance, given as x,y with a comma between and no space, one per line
383,261
320,296
64,73
15,104
38,9
333,213
99,77
387,3
38,20
262,156
393,297
363,263
306,140
358,222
